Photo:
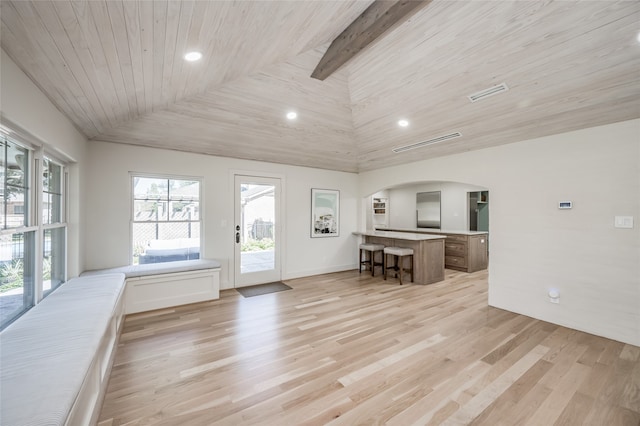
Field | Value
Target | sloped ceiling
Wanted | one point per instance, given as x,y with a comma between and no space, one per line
116,69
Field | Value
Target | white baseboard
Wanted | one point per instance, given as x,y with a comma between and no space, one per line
227,285
310,272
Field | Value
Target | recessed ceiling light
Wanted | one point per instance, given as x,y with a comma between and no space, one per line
193,56
403,123
292,115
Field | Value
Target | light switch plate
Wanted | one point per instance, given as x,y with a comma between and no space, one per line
625,222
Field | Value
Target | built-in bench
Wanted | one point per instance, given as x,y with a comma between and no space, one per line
55,359
162,285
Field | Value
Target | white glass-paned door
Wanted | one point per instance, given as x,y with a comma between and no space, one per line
256,230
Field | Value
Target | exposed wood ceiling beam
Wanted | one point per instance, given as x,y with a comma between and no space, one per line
381,16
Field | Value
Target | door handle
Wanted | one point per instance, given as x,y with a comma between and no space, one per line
237,237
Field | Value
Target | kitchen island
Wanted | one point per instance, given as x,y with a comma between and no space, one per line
428,252
466,251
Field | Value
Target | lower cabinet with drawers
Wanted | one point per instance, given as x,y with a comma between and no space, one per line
468,253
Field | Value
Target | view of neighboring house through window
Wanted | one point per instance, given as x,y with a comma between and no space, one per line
165,219
32,228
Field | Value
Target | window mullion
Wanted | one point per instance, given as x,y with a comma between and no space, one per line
36,217
168,212
5,183
54,225
22,229
65,198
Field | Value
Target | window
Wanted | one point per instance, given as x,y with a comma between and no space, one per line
165,219
14,173
51,192
54,229
17,239
32,228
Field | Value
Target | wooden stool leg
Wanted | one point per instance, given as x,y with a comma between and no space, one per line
401,264
384,265
411,268
395,264
373,262
360,261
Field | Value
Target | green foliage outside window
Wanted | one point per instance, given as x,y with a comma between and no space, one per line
258,245
11,275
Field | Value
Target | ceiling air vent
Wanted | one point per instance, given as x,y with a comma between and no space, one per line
427,142
500,88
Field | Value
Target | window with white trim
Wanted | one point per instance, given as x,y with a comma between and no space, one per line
33,228
54,227
17,237
165,219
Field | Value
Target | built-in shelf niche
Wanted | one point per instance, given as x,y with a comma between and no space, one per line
379,206
380,211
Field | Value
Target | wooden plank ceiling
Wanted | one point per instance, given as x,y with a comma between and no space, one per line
116,69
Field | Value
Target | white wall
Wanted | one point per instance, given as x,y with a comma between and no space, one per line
536,246
454,214
108,208
24,106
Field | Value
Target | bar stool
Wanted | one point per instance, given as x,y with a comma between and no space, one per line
399,253
372,249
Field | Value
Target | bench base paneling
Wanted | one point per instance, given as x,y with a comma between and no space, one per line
165,290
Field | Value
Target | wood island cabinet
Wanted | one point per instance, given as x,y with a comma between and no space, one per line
466,253
428,264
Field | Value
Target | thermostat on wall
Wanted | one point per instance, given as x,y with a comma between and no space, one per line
565,204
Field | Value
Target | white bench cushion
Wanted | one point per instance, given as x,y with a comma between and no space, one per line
133,271
47,353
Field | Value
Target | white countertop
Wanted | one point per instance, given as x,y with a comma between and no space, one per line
433,231
400,235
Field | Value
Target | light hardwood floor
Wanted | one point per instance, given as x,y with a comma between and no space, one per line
348,349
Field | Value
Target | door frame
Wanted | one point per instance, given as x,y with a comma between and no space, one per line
280,231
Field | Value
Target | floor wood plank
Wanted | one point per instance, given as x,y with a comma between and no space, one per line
347,349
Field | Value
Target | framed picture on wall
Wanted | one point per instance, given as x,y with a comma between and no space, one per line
325,213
